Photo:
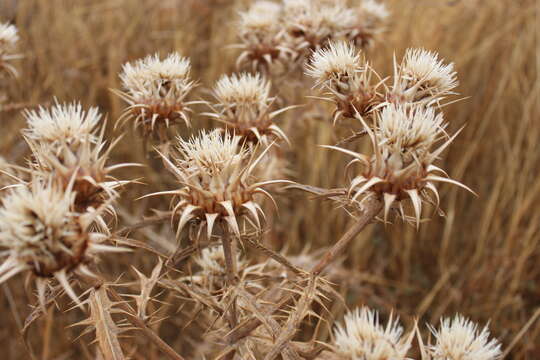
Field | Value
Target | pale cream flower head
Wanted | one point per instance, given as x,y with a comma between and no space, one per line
217,182
62,123
406,141
243,104
146,74
212,261
9,36
424,77
260,17
242,89
42,233
409,132
340,59
362,337
461,339
373,11
156,91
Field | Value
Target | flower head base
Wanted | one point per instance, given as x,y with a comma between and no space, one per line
460,339
341,71
156,92
41,232
363,338
65,145
8,40
422,77
243,105
264,44
218,186
401,166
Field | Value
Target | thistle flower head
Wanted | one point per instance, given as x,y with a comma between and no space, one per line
67,123
406,141
362,337
212,261
42,232
373,11
261,16
264,44
341,70
423,77
409,132
9,37
370,21
243,105
314,23
461,339
156,91
339,60
217,183
66,145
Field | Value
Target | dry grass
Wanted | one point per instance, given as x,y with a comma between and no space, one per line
481,259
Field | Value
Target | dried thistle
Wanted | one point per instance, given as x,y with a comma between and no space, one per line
42,233
216,174
422,78
264,43
362,337
460,339
68,144
9,37
371,16
156,91
347,77
244,105
401,166
314,23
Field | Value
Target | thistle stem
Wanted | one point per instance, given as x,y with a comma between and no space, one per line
372,208
229,251
140,324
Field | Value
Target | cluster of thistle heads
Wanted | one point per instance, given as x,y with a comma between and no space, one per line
403,119
56,215
277,37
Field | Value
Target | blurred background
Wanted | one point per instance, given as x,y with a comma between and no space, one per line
481,259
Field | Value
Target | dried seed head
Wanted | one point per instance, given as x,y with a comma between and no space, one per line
212,261
41,232
264,44
243,105
156,91
409,133
331,64
423,77
401,166
370,22
218,186
373,11
66,145
62,124
8,40
460,339
341,70
362,337
314,23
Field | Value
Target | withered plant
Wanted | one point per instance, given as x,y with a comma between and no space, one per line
199,233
